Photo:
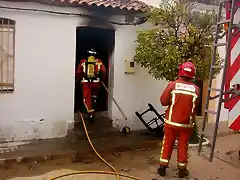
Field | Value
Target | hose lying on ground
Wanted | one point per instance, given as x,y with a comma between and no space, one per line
117,174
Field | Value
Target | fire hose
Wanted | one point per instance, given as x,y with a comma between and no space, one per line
114,171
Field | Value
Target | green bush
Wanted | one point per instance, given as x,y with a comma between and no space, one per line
195,136
180,33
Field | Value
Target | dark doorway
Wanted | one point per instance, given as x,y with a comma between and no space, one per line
102,40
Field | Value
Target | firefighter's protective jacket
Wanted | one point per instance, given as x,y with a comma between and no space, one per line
181,97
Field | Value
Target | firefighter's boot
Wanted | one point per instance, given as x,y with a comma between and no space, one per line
182,173
94,101
162,170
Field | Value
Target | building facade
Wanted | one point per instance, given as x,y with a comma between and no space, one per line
37,97
39,103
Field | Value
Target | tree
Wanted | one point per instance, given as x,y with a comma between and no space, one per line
180,33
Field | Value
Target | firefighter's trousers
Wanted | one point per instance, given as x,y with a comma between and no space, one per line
90,89
183,136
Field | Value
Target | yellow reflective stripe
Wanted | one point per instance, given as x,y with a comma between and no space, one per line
99,65
193,107
162,146
178,124
164,160
182,164
84,67
171,107
174,92
161,159
185,92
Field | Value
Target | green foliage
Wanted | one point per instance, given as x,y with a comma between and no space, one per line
180,33
195,136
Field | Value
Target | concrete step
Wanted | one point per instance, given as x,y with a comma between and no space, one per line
94,134
98,122
43,150
101,128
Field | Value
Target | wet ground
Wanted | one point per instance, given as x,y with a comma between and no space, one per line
141,163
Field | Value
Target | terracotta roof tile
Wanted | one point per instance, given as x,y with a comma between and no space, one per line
134,5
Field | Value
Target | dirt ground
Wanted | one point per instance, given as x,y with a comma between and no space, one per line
141,163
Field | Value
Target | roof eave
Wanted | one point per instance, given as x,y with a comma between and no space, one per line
85,5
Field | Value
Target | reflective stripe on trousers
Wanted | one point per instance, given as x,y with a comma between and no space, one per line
171,134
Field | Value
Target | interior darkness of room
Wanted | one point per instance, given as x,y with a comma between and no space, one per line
102,40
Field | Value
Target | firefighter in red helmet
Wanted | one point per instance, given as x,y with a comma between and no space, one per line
91,72
181,97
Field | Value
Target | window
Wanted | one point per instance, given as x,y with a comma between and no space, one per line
7,44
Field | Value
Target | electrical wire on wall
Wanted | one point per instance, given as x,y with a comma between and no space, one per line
139,21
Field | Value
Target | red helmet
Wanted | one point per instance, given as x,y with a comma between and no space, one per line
187,69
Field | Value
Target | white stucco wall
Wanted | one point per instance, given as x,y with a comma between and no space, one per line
44,76
133,91
43,101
